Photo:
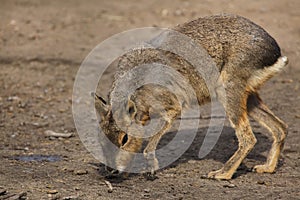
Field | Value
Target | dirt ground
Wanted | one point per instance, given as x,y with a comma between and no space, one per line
42,44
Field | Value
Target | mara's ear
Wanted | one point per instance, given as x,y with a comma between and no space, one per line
100,104
131,108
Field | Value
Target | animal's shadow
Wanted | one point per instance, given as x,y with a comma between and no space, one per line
224,148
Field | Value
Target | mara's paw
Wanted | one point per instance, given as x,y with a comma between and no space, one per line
153,165
264,169
150,176
152,162
219,175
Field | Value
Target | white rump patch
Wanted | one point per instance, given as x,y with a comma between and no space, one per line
262,75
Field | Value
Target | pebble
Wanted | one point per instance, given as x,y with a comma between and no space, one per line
146,195
13,98
147,190
40,125
11,109
14,134
81,172
52,191
260,182
192,161
22,104
70,198
229,185
204,176
54,196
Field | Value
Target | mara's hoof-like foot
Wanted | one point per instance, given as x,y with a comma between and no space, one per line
219,175
264,169
152,162
150,176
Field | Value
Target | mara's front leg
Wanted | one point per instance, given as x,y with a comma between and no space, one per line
149,151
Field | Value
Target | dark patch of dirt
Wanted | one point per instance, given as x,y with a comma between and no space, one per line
42,46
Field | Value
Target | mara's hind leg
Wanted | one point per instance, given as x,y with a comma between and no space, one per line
261,113
236,110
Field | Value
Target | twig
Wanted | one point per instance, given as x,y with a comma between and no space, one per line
110,188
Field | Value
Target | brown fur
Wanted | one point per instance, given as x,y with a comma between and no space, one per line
246,56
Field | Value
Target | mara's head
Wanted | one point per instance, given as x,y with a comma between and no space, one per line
118,126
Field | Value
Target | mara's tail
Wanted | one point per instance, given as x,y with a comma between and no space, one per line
262,75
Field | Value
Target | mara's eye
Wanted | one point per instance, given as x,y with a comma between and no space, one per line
124,139
131,110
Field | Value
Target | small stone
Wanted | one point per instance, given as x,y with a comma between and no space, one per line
52,191
229,185
14,135
146,195
22,104
40,125
261,182
192,161
71,198
147,190
11,109
54,196
204,176
62,110
81,172
13,98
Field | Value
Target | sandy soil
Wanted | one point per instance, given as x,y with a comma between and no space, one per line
42,46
